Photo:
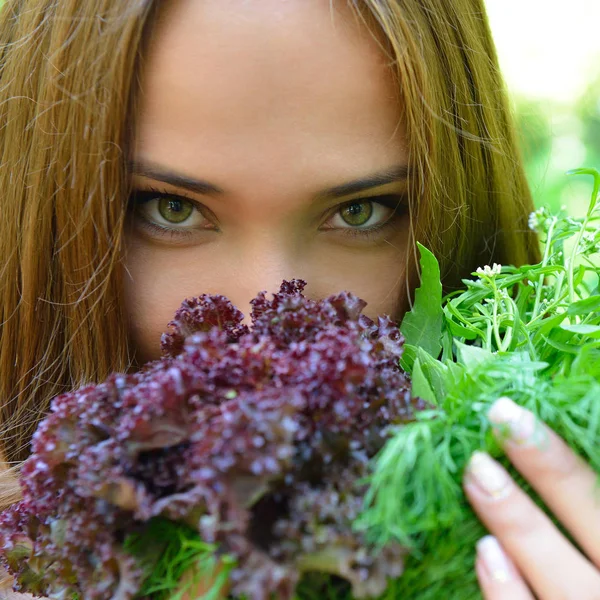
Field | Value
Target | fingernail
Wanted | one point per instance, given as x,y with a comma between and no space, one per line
521,425
489,476
494,559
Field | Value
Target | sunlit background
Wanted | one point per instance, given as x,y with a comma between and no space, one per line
549,51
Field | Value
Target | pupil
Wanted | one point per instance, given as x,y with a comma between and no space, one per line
175,205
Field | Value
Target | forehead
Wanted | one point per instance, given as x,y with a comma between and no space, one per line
303,76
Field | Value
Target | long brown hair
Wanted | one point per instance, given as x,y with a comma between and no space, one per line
69,73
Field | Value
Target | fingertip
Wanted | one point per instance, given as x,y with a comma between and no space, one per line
515,424
497,575
494,560
487,476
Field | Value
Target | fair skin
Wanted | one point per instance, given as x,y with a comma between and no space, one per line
273,103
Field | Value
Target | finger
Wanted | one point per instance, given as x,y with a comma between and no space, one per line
562,479
498,577
551,565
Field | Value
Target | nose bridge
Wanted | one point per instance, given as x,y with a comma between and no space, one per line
263,265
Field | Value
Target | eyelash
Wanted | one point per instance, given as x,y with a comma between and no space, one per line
395,201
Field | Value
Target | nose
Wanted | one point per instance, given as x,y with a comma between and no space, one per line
261,270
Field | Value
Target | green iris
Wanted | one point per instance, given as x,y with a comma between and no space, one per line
357,213
174,210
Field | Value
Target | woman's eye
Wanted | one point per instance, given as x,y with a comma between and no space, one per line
365,214
167,210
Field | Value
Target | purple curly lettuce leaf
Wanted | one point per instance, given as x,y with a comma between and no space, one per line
315,533
34,551
291,317
204,313
258,438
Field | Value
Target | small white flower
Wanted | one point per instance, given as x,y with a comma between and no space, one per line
488,271
540,219
533,221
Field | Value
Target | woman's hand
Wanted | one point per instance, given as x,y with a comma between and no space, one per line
526,556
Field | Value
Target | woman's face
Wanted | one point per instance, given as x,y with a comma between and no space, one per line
268,146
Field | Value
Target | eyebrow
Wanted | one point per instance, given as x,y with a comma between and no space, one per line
394,174
391,175
157,173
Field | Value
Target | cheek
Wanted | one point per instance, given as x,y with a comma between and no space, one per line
151,303
383,278
397,302
155,284
383,284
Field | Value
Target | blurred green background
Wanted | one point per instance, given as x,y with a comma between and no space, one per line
549,52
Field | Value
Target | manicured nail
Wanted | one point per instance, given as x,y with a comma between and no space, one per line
494,559
521,425
489,476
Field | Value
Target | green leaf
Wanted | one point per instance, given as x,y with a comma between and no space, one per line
583,329
422,326
454,374
471,356
408,358
584,307
596,192
562,346
587,362
544,326
455,328
420,384
447,349
435,372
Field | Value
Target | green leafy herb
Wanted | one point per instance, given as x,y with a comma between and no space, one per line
422,326
168,551
531,333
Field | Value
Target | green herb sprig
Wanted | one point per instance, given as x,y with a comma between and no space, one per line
169,551
531,333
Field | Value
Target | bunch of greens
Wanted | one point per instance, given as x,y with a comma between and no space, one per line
251,443
531,333
246,458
